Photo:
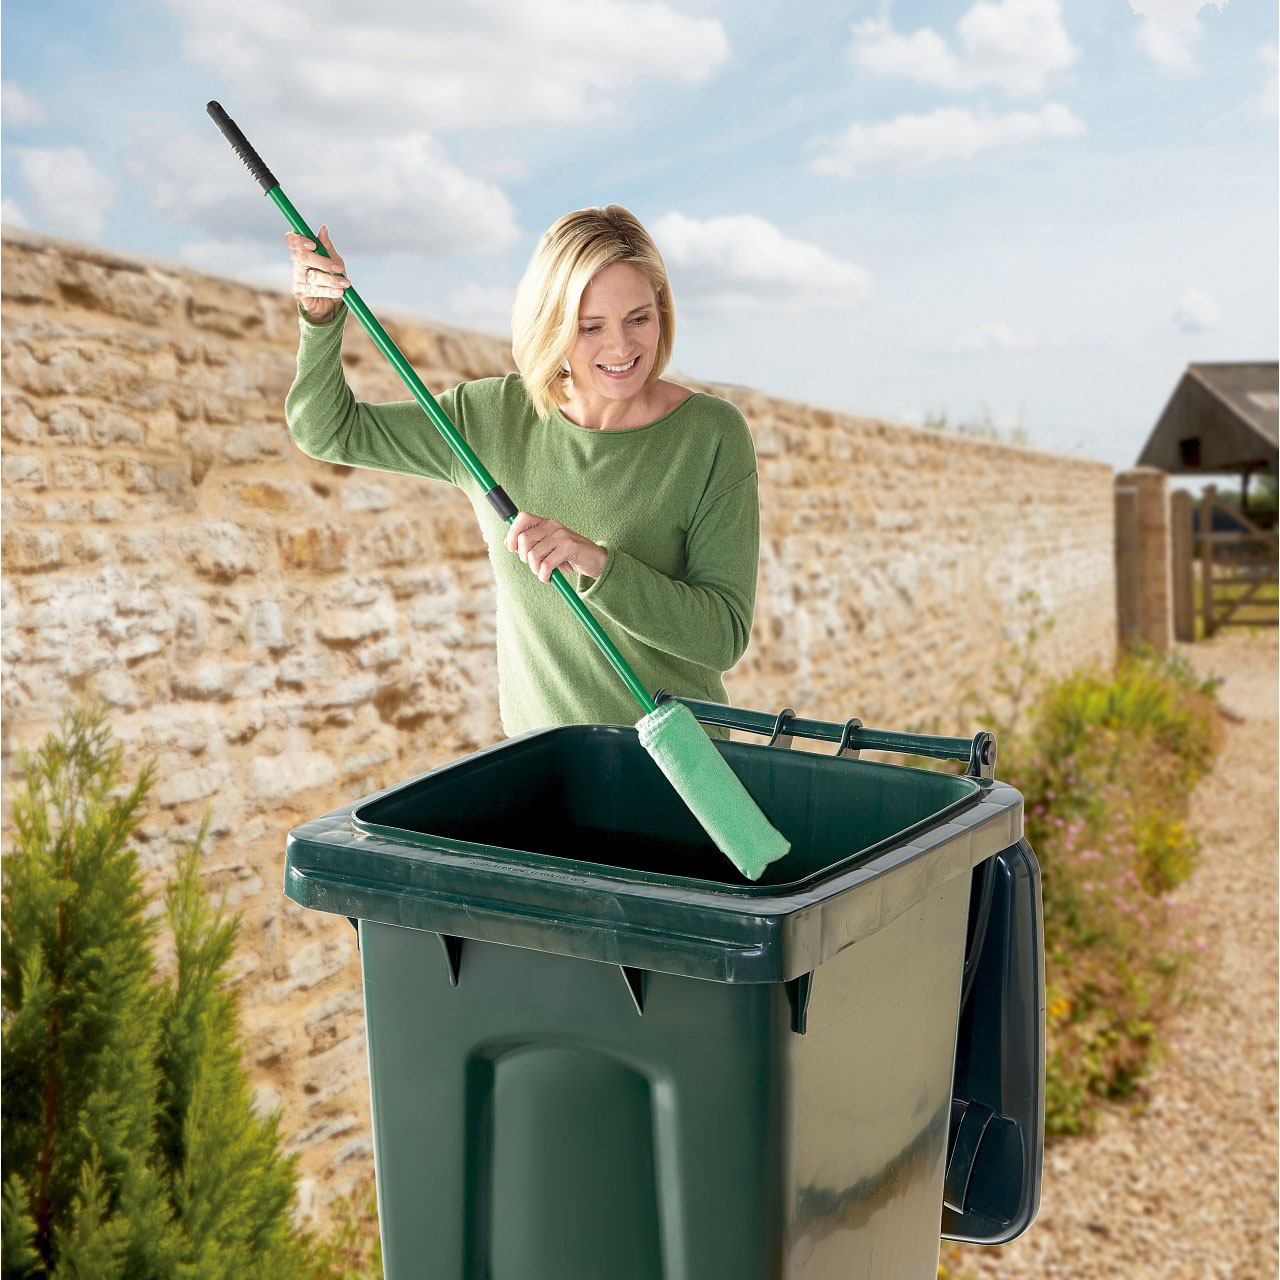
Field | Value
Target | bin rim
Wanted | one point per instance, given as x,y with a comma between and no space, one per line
972,787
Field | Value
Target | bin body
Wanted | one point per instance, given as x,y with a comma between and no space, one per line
585,1064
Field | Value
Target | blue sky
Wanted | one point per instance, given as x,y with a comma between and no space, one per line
1011,208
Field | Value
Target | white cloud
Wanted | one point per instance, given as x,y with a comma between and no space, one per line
1015,45
744,261
375,69
18,108
1169,29
1197,312
483,306
1264,102
949,133
387,195
11,213
68,192
991,335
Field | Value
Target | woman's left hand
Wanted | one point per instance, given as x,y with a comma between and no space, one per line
545,544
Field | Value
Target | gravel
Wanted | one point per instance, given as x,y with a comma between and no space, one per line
1186,1190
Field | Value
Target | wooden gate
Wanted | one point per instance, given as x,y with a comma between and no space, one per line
1238,579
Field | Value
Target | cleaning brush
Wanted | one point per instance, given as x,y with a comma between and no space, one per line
670,734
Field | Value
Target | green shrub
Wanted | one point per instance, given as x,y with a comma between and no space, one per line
130,1146
1106,765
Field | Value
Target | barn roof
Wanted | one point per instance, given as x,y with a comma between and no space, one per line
1221,417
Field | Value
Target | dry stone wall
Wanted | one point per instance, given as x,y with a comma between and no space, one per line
287,635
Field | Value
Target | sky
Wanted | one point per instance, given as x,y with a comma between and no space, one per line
1017,212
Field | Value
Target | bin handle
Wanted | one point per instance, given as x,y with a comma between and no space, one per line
979,751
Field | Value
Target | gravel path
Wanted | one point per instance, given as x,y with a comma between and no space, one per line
1187,1190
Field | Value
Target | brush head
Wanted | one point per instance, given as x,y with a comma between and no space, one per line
702,778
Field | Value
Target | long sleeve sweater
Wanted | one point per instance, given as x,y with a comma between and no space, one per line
674,504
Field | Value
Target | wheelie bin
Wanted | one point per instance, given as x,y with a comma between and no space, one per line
596,1052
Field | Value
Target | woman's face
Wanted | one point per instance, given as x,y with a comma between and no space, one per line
617,333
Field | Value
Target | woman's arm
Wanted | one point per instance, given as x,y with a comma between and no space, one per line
706,617
327,422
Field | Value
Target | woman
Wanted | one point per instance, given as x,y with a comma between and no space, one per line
645,492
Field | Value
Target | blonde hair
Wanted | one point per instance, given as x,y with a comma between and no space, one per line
544,320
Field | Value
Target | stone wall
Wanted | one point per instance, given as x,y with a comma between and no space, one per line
287,635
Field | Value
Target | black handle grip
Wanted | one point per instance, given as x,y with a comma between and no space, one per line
240,145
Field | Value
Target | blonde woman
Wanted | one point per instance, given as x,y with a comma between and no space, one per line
642,492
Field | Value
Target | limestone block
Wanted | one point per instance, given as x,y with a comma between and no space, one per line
182,728
305,669
254,442
135,648
345,626
351,692
265,627
323,1022
270,495
222,551
71,471
140,546
186,785
306,1207
380,654
14,506
128,292
365,762
269,1045
312,964
255,679
20,423
290,773
24,471
191,625
241,724
31,550
70,510
104,508
88,546
224,308
267,1101
28,277
321,549
400,542
208,679
358,1149
366,497
321,1131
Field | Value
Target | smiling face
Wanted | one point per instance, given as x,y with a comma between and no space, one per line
613,355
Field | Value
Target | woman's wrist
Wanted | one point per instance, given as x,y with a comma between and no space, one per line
600,556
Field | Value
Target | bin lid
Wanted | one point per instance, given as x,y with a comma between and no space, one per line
570,840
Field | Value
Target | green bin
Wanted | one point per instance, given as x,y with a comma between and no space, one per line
597,1053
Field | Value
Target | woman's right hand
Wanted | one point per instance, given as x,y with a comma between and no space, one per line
318,282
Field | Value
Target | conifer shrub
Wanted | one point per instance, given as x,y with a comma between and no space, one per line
129,1142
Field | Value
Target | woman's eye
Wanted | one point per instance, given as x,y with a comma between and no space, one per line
642,320
590,329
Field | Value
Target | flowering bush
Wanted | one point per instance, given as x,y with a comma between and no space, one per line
1106,767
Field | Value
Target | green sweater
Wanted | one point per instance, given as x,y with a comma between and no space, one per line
673,503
